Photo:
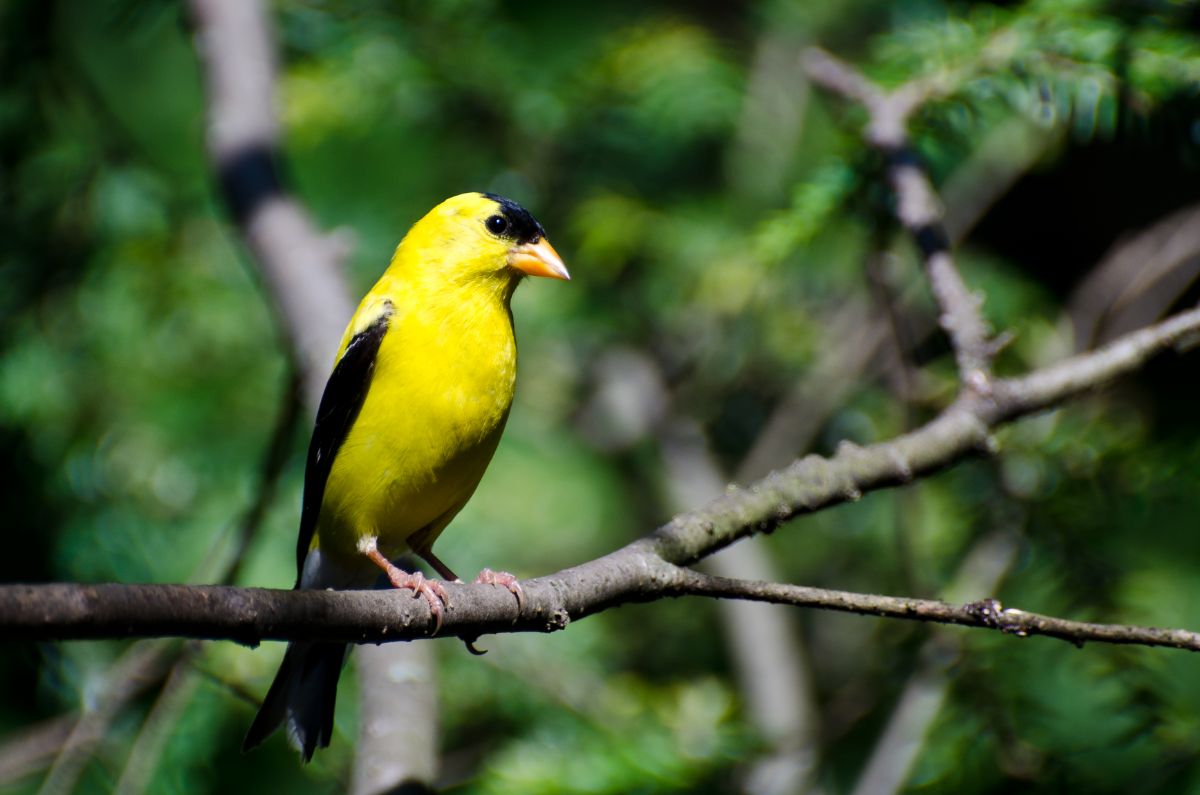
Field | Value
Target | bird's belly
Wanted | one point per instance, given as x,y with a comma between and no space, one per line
415,454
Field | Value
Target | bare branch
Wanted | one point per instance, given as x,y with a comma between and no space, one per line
1050,385
833,74
986,613
249,615
917,206
33,748
646,569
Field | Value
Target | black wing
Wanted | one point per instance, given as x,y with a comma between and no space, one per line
340,403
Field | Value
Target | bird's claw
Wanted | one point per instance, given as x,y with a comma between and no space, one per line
435,595
506,580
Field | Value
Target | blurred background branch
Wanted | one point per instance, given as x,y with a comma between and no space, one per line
302,270
918,207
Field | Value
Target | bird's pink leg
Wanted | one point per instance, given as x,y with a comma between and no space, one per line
435,595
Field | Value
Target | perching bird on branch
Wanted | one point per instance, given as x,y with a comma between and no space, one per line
408,422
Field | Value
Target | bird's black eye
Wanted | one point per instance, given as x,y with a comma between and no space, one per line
497,224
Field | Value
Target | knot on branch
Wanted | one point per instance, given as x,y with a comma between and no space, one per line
988,612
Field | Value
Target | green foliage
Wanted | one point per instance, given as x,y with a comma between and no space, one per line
814,204
141,371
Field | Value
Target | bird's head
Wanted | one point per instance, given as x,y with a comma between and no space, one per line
476,237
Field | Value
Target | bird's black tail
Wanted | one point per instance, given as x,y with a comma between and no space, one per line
303,695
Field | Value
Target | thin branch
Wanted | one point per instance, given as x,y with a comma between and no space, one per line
985,613
274,460
963,429
646,569
857,334
1137,279
250,614
917,206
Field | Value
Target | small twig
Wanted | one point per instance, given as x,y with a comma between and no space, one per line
273,462
985,613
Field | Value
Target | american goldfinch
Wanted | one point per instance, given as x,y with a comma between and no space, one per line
408,422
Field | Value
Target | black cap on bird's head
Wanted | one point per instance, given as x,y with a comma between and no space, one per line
522,226
532,253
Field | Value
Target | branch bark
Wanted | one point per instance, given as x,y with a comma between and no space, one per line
649,568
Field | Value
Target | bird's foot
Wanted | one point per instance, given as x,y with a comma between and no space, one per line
435,595
504,579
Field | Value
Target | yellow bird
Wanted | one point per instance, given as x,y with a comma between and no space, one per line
408,422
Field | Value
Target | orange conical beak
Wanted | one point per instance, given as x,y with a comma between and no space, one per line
538,259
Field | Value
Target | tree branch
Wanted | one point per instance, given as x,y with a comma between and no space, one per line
917,206
986,613
647,569
1138,279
